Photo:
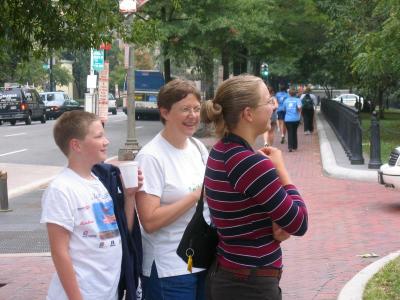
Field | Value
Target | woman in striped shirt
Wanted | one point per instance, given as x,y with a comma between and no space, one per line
253,202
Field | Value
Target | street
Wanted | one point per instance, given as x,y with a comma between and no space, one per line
34,144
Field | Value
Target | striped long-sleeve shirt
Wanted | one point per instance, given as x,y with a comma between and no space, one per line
245,194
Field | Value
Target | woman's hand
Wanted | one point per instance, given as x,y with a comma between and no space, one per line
278,233
275,155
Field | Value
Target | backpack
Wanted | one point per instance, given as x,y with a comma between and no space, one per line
307,102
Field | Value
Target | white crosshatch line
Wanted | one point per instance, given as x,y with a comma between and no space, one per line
13,152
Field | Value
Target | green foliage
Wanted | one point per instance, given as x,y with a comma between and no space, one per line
385,284
39,26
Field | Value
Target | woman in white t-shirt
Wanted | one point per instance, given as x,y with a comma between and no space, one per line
173,164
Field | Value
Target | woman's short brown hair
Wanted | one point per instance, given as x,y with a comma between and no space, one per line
233,95
174,91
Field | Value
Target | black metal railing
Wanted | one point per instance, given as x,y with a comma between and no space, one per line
345,122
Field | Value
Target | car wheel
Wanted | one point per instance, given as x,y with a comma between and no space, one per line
114,112
1,122
13,122
43,119
28,120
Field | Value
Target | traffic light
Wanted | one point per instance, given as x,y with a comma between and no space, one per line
264,71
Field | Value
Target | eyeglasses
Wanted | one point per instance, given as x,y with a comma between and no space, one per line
188,110
270,101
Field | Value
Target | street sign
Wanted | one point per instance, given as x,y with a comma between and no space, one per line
98,60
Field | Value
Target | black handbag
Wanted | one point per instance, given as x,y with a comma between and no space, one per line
198,245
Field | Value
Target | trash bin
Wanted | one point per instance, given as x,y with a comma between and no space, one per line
3,192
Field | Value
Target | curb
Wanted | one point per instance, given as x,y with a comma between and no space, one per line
329,166
354,289
41,183
29,187
33,254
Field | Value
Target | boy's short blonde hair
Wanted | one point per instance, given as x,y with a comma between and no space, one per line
72,125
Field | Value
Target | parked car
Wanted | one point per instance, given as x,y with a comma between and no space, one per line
112,104
352,100
21,104
55,103
389,174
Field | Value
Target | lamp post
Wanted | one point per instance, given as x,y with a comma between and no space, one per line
131,147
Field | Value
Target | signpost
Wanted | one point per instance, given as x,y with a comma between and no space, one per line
103,93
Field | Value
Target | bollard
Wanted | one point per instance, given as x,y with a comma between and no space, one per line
375,143
3,192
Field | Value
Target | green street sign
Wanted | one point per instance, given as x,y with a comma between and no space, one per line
98,59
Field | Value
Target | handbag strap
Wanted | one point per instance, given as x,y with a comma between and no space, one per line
198,148
200,203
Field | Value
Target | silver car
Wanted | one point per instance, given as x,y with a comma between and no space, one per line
389,174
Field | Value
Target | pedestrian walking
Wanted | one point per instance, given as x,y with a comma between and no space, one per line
174,165
308,102
269,135
281,96
292,107
84,232
253,202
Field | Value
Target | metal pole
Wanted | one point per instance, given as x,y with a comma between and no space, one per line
131,147
375,143
3,192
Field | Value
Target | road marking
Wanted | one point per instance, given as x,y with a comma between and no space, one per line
13,152
15,134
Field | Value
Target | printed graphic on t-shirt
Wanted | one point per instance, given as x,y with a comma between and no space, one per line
291,107
105,219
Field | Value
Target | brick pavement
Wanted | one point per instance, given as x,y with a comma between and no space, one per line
347,218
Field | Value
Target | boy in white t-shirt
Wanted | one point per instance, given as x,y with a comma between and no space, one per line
79,212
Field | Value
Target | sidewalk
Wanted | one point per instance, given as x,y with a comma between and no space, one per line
348,217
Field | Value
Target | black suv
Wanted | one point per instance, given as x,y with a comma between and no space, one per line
21,104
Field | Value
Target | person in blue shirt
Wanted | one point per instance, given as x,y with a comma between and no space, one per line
292,108
281,96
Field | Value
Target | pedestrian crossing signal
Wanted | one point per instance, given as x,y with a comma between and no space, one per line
264,71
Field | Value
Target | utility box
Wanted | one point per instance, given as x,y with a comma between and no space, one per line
3,192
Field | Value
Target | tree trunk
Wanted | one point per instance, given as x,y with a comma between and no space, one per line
236,67
381,106
243,60
167,70
225,63
208,75
256,67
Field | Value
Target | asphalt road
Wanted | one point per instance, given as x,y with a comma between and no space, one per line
34,144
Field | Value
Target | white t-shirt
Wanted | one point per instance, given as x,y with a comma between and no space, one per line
85,208
170,174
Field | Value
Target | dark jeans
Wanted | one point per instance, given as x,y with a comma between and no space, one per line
224,285
292,134
308,116
181,287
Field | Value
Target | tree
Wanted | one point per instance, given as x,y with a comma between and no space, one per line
371,37
39,26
